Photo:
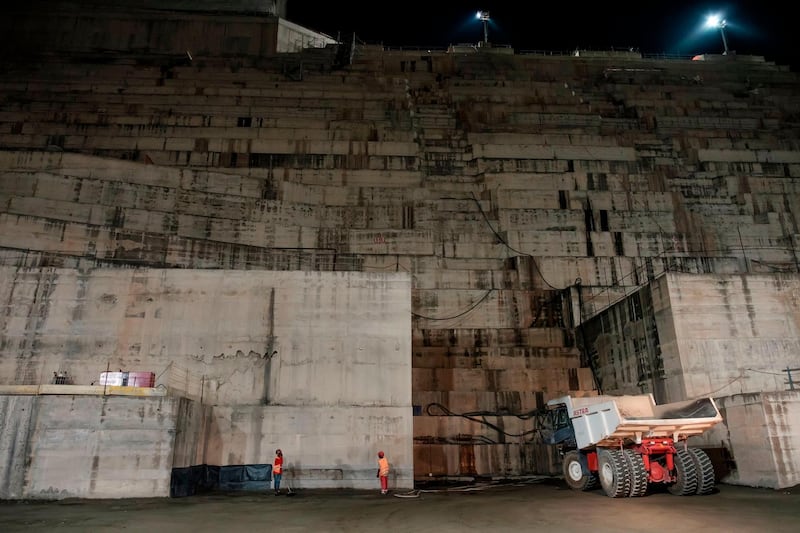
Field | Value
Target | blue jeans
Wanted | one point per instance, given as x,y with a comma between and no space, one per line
277,480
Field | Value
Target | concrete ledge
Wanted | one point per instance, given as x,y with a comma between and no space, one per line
82,390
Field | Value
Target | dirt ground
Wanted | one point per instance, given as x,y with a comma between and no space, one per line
545,505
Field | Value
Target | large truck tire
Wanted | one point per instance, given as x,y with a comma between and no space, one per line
614,473
574,473
638,473
704,470
686,484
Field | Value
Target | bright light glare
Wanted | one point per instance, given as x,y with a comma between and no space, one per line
715,21
478,14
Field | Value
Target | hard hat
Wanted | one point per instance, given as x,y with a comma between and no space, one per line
380,454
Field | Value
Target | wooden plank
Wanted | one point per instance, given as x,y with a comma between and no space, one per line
82,390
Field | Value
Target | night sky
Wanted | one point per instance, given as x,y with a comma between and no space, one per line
672,28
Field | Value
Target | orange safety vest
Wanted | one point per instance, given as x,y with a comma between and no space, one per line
383,466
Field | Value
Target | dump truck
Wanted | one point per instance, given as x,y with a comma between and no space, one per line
625,444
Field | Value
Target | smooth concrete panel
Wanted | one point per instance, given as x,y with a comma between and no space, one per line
87,447
324,446
342,339
762,433
249,336
733,333
717,335
329,352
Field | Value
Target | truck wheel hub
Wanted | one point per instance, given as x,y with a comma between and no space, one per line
575,471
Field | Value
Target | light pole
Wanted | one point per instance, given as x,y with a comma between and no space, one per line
483,16
715,21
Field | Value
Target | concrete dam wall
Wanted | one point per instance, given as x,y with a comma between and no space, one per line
519,194
315,363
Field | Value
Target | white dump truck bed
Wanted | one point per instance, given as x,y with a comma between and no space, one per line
610,420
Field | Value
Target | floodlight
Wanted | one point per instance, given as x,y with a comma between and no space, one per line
483,16
716,21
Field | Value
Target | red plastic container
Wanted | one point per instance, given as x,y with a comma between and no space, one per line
141,379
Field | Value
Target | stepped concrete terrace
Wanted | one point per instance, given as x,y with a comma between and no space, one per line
504,185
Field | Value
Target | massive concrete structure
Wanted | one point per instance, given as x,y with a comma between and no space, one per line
316,363
518,196
731,336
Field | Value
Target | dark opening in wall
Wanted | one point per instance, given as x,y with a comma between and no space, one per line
562,199
201,145
619,249
269,160
597,181
603,220
55,141
244,122
408,217
429,61
588,219
635,308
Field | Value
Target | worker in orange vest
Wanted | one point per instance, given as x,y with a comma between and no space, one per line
383,472
277,470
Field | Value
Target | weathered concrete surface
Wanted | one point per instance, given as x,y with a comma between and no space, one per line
243,337
315,363
688,336
193,421
762,434
56,447
17,424
542,507
727,334
495,181
324,446
730,337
